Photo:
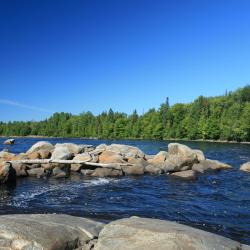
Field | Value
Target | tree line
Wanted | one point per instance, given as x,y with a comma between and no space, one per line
224,117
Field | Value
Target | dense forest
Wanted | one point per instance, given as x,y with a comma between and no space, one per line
224,117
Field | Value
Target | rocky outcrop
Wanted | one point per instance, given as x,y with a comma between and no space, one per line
47,231
245,167
41,145
140,233
210,165
9,141
108,161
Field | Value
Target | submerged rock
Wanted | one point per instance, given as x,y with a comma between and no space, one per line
141,233
106,172
245,167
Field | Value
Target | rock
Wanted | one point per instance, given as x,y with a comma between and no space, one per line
110,157
159,158
133,170
71,147
47,231
41,145
21,169
168,167
126,151
7,156
7,173
34,155
21,156
187,175
38,172
62,153
245,167
137,161
83,157
200,155
153,169
57,171
210,165
75,167
106,172
87,172
44,154
146,234
101,148
9,141
181,155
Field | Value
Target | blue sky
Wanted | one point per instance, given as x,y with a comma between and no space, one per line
76,56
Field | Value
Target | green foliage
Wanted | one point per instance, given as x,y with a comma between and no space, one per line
217,118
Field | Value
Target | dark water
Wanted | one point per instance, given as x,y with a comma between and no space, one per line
218,202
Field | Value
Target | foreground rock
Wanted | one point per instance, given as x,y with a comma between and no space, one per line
149,234
9,141
245,167
47,232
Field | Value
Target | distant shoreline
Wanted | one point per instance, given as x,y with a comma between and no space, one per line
133,139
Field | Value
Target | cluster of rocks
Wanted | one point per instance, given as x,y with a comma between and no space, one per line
57,232
59,161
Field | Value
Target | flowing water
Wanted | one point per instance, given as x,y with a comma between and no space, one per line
217,202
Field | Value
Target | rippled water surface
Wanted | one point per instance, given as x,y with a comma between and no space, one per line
218,202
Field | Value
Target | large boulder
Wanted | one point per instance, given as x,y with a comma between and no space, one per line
62,152
153,169
185,175
7,173
20,168
36,172
181,155
41,145
9,141
141,233
126,151
80,157
210,165
47,231
200,154
245,167
110,157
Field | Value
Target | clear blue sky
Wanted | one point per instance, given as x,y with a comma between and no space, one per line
85,55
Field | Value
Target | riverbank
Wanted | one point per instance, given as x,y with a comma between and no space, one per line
59,231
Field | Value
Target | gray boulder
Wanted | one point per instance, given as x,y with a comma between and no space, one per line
140,233
73,148
210,165
245,167
41,145
46,232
